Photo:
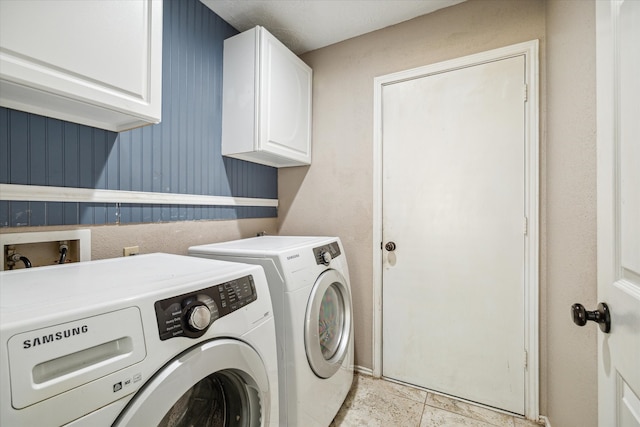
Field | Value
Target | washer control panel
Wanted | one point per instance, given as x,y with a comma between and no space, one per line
190,315
324,254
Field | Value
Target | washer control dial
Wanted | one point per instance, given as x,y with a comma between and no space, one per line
326,258
199,317
191,314
325,253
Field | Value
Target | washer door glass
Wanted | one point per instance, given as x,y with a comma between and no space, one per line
328,324
219,400
331,321
218,383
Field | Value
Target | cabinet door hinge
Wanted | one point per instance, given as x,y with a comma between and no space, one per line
526,92
526,359
525,226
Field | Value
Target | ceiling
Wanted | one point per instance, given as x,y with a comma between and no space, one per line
304,25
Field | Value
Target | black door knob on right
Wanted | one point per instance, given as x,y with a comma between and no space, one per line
601,316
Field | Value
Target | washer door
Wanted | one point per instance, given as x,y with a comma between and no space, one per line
327,329
218,383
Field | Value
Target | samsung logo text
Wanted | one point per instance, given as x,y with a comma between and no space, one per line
56,336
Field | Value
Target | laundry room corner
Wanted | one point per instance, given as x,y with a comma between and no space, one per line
134,141
176,158
342,170
342,167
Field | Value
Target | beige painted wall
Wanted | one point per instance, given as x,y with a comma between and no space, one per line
334,195
571,211
171,237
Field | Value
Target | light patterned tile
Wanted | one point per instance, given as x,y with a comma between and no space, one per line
526,423
389,387
377,403
372,406
471,411
436,417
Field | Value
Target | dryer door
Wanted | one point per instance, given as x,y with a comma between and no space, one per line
218,383
327,329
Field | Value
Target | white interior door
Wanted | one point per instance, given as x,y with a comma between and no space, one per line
618,56
453,316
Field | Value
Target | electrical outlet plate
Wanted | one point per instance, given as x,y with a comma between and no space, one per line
42,247
130,250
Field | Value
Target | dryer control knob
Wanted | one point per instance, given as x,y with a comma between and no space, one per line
326,258
199,317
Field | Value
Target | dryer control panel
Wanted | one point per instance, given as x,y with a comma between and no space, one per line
325,253
191,314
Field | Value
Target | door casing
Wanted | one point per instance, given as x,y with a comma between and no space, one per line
530,51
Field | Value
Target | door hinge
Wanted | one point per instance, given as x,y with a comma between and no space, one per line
526,92
526,359
525,226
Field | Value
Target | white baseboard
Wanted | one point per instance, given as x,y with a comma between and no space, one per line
545,420
363,370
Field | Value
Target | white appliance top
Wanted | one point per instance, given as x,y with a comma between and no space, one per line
48,291
262,246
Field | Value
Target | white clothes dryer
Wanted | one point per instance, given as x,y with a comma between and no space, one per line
309,283
150,340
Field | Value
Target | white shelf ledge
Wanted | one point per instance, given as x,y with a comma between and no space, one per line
39,193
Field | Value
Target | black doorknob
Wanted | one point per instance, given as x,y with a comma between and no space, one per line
600,316
390,246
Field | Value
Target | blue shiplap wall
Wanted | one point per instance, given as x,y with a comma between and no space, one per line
179,155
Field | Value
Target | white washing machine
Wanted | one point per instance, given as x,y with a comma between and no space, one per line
309,282
150,340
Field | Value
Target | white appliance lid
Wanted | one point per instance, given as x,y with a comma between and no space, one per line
261,246
54,289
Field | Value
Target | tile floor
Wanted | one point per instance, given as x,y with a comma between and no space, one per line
377,402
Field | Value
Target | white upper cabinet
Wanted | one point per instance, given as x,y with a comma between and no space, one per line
94,62
266,115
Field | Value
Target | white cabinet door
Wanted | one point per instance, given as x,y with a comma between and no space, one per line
266,114
285,102
97,63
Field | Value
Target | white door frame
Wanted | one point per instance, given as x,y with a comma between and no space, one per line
531,279
607,145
